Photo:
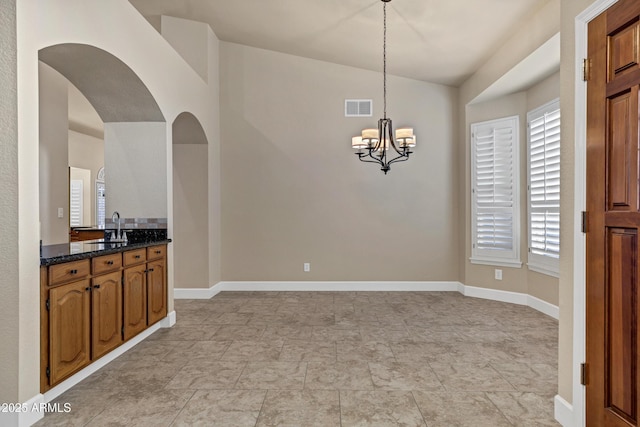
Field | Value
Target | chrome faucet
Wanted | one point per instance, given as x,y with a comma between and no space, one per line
115,215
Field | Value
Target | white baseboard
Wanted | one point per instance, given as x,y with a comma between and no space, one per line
25,414
563,411
470,291
543,307
494,295
341,286
168,321
196,293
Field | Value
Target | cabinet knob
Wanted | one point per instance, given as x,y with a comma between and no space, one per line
97,286
158,252
87,289
73,272
151,269
109,262
137,257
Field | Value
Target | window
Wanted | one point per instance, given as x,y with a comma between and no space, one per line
544,188
495,207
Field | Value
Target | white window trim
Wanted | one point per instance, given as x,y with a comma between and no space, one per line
496,257
538,263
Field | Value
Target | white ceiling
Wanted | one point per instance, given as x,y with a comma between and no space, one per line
439,41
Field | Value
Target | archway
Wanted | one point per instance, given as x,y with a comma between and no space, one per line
190,203
135,133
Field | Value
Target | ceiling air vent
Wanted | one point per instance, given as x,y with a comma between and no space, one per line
358,108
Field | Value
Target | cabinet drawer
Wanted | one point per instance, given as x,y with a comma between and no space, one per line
62,273
135,257
155,252
106,263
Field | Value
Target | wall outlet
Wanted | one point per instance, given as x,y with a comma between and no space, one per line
60,212
306,267
498,274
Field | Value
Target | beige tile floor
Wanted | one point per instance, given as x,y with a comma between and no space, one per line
330,359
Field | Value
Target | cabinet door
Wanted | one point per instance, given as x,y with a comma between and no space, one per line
106,313
156,290
69,329
135,300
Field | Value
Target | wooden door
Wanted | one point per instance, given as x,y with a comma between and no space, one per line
613,217
106,313
134,304
69,329
156,291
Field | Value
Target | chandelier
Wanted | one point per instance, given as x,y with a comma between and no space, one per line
379,145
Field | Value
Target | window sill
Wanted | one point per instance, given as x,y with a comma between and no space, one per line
543,270
496,262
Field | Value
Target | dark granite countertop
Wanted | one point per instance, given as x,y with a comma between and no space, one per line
74,251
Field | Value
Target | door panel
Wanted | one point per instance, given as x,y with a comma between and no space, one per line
135,300
106,309
622,327
623,152
69,329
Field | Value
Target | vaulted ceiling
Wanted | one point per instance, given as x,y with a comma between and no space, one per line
439,41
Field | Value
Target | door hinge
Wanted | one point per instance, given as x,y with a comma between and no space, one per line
584,378
48,306
586,69
583,225
48,372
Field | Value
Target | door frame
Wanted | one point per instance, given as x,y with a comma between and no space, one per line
580,202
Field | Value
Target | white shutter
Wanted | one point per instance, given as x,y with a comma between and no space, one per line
544,188
495,192
75,202
100,204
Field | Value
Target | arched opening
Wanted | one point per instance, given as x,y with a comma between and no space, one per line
133,133
190,203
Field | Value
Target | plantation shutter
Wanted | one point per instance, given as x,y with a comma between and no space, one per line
544,188
75,203
495,192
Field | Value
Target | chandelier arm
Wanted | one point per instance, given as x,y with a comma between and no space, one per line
363,158
399,159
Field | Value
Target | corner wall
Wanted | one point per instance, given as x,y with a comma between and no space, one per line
294,191
9,286
54,155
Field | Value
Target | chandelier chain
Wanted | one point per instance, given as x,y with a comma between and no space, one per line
384,58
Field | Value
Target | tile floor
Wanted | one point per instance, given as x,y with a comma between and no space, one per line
330,359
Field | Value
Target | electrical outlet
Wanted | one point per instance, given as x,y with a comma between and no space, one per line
498,274
60,212
306,267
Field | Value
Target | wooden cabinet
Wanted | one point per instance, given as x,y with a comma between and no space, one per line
135,300
91,306
69,332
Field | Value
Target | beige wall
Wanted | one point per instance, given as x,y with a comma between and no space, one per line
293,190
199,47
87,152
54,157
135,158
190,210
9,302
